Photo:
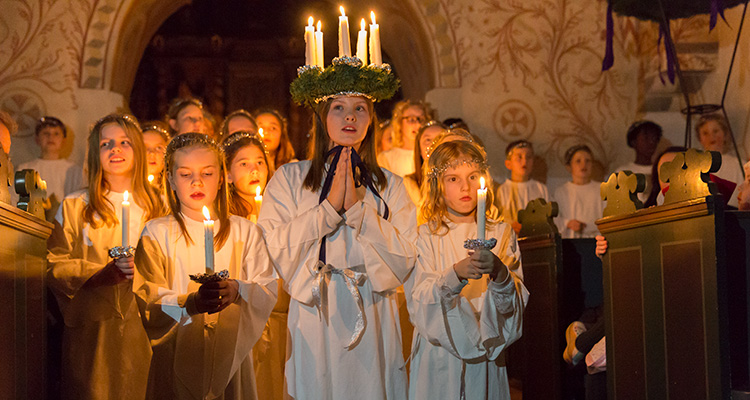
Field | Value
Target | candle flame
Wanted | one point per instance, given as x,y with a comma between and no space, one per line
341,8
481,183
206,213
310,21
125,197
257,191
362,24
150,178
318,25
372,17
44,184
260,132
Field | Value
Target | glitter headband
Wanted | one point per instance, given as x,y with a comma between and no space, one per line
113,118
518,144
230,140
463,133
157,128
573,150
186,140
438,171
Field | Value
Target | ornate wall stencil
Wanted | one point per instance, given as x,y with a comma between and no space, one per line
26,107
514,120
97,43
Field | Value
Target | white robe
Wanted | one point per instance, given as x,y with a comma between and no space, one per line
200,355
515,196
463,328
582,203
320,366
397,160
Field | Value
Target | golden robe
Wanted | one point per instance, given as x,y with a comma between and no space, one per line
199,355
106,353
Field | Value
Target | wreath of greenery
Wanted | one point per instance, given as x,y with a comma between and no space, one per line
650,10
312,85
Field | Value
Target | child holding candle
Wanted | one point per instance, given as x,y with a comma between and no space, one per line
106,353
201,335
579,201
275,137
466,306
248,172
340,231
155,138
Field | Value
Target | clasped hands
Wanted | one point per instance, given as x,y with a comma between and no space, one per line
480,262
344,193
213,297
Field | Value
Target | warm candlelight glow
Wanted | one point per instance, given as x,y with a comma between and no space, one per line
341,8
372,17
125,197
150,179
310,21
318,26
362,24
257,191
206,213
481,183
260,132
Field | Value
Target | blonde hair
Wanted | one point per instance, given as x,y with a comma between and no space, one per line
184,141
143,193
398,114
432,208
719,119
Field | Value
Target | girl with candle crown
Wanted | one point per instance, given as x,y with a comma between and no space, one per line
106,352
202,335
340,231
466,307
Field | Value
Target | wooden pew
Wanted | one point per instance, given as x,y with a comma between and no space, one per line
23,266
563,278
666,288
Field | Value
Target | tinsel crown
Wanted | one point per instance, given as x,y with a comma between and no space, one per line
345,76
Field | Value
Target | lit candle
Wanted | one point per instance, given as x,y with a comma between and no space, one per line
260,132
362,43
375,56
125,220
310,43
481,209
151,179
345,48
258,201
319,46
208,240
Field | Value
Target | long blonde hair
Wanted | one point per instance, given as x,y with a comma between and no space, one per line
184,141
398,114
143,193
432,208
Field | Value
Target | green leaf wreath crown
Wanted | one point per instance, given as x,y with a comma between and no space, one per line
345,76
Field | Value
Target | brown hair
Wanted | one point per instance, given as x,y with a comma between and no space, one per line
319,148
285,152
144,195
232,145
418,174
432,208
184,141
224,129
398,114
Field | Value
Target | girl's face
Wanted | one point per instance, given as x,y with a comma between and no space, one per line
411,121
240,123
189,119
711,136
347,121
248,171
271,131
461,184
580,166
386,142
155,148
115,151
428,136
195,179
520,163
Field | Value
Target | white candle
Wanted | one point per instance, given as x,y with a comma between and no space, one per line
310,52
345,48
481,209
375,56
208,240
125,220
258,202
319,47
362,43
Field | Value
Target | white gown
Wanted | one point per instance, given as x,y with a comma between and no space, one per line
462,329
320,366
515,196
200,355
582,203
397,160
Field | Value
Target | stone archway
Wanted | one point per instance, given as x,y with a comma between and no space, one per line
415,34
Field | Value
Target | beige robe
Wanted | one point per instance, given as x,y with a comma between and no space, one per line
106,353
199,355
